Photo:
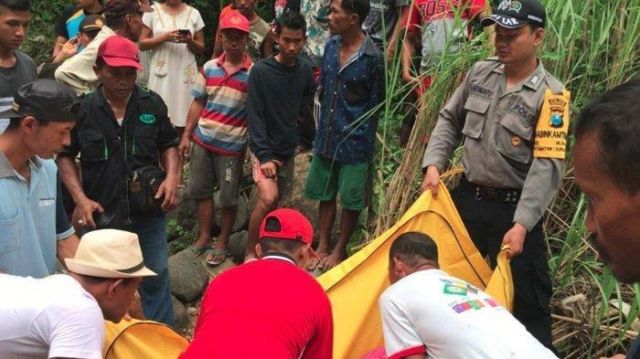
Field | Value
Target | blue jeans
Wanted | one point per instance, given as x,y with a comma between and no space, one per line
155,291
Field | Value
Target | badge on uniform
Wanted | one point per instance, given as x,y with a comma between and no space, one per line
553,126
556,120
147,118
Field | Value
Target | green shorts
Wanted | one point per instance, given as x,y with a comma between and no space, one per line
327,178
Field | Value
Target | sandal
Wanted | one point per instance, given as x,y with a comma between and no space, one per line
216,257
199,251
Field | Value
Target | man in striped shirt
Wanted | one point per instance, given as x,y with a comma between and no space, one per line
217,123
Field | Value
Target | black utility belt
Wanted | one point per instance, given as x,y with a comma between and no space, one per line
503,195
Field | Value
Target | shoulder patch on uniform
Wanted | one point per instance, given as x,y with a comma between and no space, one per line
553,126
147,118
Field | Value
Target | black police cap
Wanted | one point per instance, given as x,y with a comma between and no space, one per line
513,14
46,100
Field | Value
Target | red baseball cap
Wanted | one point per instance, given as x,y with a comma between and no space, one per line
233,19
293,225
118,51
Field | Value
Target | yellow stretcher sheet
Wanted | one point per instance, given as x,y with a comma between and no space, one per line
355,285
139,339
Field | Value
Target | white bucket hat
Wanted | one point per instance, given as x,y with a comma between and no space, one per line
109,253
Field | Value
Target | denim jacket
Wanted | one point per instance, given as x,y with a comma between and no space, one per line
350,94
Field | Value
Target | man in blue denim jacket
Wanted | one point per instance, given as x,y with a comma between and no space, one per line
352,87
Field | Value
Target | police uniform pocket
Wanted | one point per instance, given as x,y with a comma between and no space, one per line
145,142
476,108
94,147
357,91
514,138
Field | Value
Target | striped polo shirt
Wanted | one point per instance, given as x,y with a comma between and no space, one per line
222,127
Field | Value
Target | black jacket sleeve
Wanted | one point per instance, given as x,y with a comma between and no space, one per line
258,141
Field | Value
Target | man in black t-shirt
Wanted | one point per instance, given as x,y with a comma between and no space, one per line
281,90
16,68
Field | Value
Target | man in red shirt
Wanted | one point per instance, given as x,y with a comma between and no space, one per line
271,307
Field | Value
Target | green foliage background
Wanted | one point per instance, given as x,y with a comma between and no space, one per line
41,34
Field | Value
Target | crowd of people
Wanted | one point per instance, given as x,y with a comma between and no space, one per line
94,142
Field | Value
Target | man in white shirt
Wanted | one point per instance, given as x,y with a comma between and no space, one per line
427,313
62,316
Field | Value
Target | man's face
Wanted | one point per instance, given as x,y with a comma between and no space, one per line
234,42
47,139
84,39
119,300
290,42
613,216
13,27
134,25
246,7
117,82
340,20
517,45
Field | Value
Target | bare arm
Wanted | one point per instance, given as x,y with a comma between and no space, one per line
66,248
195,110
398,31
149,42
217,46
57,46
195,42
71,180
267,45
168,189
408,50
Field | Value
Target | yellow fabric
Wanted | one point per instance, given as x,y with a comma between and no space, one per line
142,339
355,285
553,126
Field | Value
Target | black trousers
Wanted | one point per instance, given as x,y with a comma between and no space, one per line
487,222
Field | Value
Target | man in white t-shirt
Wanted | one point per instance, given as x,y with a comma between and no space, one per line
427,313
62,316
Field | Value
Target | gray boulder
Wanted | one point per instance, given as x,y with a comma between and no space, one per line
188,276
180,315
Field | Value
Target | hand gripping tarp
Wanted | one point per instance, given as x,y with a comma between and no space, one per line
355,285
138,339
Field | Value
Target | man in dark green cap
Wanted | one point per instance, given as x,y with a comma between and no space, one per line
33,224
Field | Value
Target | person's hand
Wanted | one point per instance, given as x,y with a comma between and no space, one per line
83,213
184,147
168,190
515,239
70,48
269,169
431,180
390,51
186,37
172,36
409,78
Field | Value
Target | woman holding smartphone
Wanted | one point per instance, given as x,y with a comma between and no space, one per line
174,34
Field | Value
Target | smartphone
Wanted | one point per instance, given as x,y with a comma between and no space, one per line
184,32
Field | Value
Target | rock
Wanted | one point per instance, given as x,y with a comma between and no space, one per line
180,315
237,246
242,218
188,277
